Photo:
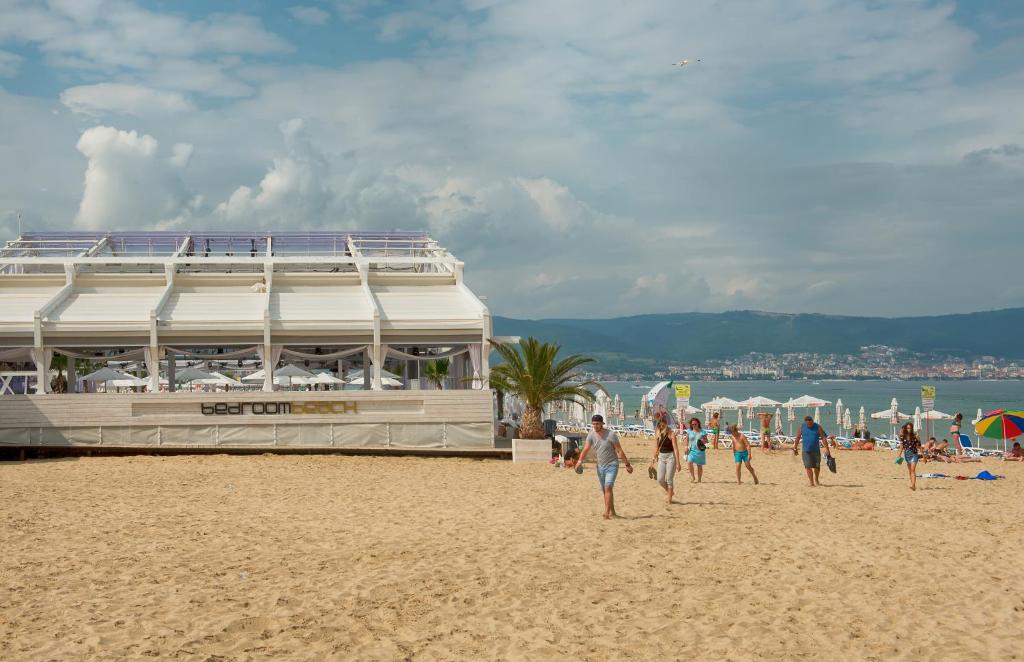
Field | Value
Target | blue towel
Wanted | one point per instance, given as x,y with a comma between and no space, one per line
985,475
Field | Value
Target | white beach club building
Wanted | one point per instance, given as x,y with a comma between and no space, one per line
338,306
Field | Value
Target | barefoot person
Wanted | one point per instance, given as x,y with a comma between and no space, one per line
741,453
766,431
666,457
910,446
608,450
696,445
808,440
715,428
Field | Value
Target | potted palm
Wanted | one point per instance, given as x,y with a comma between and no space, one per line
534,373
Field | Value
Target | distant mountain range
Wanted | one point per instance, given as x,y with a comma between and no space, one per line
697,337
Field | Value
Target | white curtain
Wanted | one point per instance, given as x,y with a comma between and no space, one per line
42,356
153,367
476,358
378,365
269,363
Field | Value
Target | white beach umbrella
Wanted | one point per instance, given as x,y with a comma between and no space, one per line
807,401
578,414
861,420
191,375
385,381
327,378
847,419
131,381
720,404
978,416
791,417
219,379
917,419
887,415
778,421
935,415
292,371
894,416
817,415
839,413
108,376
758,401
617,407
739,419
255,377
358,374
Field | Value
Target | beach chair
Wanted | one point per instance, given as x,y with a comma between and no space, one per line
887,443
968,448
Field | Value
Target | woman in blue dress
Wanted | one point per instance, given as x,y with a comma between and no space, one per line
696,447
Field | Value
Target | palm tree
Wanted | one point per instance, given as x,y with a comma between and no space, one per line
534,374
59,384
436,372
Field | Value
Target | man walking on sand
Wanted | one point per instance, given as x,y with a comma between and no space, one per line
608,450
808,440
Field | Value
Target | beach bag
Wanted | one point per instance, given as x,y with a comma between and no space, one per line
830,462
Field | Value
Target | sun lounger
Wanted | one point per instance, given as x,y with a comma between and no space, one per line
968,448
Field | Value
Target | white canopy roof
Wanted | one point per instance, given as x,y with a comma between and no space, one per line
207,286
935,415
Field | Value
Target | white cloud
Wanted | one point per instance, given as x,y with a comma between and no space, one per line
122,98
294,190
309,15
128,184
816,139
119,37
9,64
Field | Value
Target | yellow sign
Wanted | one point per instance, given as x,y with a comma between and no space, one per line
683,391
927,392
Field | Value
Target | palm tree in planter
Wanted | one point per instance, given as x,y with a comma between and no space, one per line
436,372
535,374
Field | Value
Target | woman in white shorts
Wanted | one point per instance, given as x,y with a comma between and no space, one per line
666,457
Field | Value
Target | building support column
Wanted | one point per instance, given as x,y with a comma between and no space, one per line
72,375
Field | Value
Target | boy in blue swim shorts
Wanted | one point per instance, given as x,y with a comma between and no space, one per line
741,453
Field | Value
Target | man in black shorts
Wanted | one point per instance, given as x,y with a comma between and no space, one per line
808,440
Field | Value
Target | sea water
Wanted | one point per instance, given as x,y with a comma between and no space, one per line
951,397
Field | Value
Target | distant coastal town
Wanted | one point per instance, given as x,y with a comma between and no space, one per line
871,362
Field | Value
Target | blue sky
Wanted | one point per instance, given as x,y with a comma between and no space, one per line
841,157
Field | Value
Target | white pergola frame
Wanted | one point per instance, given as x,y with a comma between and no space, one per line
431,263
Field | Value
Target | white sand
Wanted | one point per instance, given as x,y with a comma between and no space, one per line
308,557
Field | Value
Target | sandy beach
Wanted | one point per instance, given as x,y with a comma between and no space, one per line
330,557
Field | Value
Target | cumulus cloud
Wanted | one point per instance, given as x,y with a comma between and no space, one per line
129,184
122,98
293,192
9,63
818,156
121,37
309,15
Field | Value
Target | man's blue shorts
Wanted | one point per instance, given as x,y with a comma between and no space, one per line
606,475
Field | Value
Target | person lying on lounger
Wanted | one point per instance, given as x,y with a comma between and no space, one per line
1015,454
